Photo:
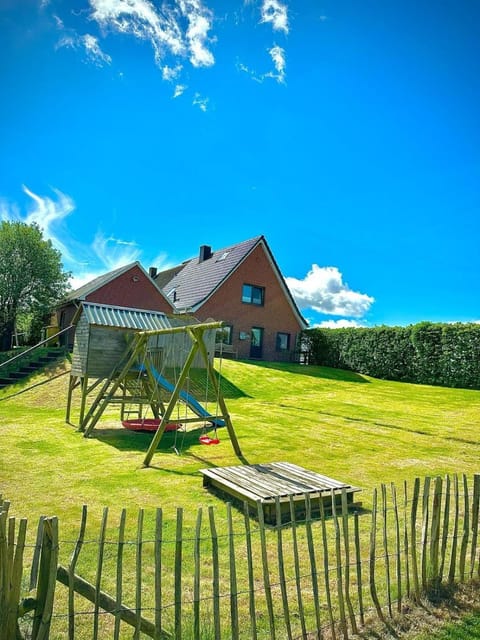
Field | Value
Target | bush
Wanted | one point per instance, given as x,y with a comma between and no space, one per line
426,353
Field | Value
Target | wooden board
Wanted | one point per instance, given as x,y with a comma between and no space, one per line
276,480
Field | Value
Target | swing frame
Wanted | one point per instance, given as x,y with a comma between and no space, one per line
106,391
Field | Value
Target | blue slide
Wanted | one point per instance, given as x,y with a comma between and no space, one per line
189,400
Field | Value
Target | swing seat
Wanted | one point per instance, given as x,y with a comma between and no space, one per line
149,424
208,440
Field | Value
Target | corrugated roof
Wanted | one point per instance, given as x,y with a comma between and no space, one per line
105,315
193,281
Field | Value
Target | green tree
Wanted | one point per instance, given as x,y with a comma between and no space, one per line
32,279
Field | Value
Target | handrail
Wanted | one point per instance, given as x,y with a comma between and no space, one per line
35,346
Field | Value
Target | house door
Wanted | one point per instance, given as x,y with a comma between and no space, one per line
256,342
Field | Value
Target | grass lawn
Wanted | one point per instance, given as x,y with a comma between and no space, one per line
350,427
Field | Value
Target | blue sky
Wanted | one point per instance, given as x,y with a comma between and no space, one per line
346,132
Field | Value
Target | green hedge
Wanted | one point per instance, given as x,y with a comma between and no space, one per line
425,353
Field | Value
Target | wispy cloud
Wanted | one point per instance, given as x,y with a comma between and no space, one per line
163,26
88,44
179,89
86,262
48,213
201,103
324,291
278,56
275,13
113,253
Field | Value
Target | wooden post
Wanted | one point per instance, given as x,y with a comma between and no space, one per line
435,532
138,573
385,549
475,514
425,520
158,573
466,529
346,541
234,622
251,579
178,575
281,568
398,564
413,538
453,554
338,558
326,569
98,579
71,574
196,576
266,572
358,564
119,576
445,528
215,573
47,578
296,559
373,546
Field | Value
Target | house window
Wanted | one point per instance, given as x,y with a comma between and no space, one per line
283,342
224,335
252,294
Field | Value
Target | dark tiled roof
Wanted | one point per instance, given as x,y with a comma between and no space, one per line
194,281
82,292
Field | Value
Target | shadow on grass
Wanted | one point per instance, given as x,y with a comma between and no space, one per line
314,371
172,442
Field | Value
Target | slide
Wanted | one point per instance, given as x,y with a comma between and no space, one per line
189,400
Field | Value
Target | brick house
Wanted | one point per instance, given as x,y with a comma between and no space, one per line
129,286
242,286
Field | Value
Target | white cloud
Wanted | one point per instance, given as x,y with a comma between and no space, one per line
324,291
278,56
276,14
179,89
171,73
201,103
46,212
337,324
89,44
161,26
113,252
199,23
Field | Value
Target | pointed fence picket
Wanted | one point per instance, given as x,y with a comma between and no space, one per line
231,576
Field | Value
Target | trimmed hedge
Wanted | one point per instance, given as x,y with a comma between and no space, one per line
426,353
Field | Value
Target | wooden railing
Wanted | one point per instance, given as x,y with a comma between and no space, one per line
220,574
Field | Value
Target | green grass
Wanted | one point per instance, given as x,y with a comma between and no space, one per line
350,427
343,425
467,629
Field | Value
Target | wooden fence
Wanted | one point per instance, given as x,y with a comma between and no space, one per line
222,574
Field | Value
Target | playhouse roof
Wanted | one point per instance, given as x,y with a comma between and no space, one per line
105,315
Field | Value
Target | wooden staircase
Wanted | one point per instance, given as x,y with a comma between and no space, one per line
24,370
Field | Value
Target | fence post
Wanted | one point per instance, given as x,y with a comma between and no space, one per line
47,578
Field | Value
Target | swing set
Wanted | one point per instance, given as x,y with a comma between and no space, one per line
162,370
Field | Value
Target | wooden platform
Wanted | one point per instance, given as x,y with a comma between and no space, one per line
269,481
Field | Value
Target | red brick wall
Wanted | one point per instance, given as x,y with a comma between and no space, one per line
133,289
276,315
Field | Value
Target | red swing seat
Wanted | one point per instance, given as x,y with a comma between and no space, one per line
208,440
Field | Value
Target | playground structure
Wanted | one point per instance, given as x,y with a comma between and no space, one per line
146,361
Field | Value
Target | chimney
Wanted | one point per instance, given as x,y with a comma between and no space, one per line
152,272
205,253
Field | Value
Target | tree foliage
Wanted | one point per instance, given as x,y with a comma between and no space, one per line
32,279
